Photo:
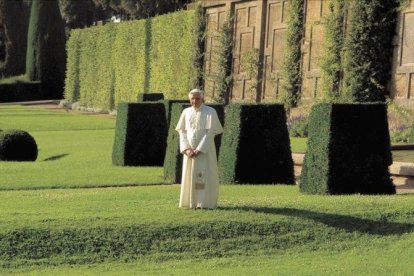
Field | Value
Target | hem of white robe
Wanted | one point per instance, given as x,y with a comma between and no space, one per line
196,207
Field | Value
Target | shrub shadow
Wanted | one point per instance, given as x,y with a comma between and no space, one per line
56,157
347,223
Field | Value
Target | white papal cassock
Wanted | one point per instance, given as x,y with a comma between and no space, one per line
199,182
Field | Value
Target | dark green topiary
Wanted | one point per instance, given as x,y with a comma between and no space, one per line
173,158
17,145
348,150
255,146
150,97
20,91
46,53
168,107
140,135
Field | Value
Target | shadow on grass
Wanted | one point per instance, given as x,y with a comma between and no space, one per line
347,223
56,157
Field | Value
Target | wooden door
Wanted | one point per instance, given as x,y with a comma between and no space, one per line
215,17
274,49
402,81
246,48
312,48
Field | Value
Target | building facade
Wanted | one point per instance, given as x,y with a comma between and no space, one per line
259,37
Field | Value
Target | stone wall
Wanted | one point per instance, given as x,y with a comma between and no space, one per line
259,28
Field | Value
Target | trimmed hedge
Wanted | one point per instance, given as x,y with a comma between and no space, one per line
17,145
168,107
348,150
150,97
255,146
140,135
173,161
21,91
72,80
128,60
173,158
113,63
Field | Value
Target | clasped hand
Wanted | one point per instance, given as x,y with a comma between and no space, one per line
192,153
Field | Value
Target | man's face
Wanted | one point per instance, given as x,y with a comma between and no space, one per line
196,100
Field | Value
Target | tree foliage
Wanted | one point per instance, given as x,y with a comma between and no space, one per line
46,55
291,67
79,14
369,48
13,36
332,60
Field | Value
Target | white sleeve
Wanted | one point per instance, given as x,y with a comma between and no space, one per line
183,141
208,138
184,144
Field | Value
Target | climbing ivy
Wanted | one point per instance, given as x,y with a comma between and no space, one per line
291,67
332,60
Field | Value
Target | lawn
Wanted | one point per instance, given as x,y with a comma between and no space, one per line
122,225
74,151
257,229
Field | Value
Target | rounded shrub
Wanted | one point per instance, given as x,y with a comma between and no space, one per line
17,145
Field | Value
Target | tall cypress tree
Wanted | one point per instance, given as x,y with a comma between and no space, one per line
369,49
46,55
14,16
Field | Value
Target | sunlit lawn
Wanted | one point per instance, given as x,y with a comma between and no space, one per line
74,151
291,233
257,230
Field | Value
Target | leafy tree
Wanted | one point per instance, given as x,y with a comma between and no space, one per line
369,48
291,66
77,14
46,56
332,60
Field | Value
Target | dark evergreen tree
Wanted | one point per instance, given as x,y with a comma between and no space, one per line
46,54
77,14
14,20
369,48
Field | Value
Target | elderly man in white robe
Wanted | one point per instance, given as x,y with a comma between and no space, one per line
197,126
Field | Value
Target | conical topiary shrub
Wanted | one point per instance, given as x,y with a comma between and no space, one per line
17,145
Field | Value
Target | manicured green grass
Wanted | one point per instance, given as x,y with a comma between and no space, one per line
261,230
74,151
256,229
298,144
36,118
360,261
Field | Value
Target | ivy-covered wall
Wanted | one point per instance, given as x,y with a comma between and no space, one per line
332,50
114,63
